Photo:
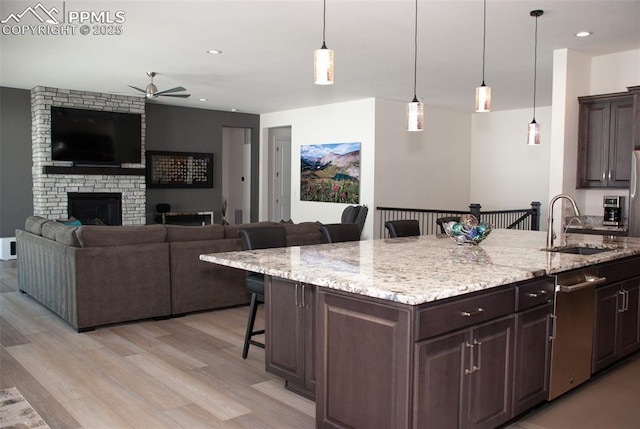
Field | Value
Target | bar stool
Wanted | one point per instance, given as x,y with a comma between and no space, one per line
340,232
261,237
402,228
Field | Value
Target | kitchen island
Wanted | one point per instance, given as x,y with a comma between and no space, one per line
417,331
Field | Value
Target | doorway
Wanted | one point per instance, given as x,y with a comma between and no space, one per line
280,173
236,173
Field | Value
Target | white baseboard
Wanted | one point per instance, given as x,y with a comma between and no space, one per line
7,248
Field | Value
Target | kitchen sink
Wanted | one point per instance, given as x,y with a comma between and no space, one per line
580,250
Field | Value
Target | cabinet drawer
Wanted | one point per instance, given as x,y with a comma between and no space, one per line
441,318
533,293
620,270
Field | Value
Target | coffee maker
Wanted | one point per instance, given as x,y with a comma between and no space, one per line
613,210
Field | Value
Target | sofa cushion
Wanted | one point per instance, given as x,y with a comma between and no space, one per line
67,235
107,236
33,224
49,229
194,233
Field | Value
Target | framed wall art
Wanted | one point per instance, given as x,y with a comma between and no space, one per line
179,169
330,172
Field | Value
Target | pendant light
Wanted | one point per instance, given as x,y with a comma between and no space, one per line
323,57
415,109
533,133
483,92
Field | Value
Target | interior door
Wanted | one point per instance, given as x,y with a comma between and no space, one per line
280,149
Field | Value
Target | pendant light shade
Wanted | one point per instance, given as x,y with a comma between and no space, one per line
415,109
323,57
483,98
533,132
415,115
483,92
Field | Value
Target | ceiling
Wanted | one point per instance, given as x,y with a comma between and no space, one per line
267,48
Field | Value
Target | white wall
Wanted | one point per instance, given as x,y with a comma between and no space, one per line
334,123
506,173
615,72
427,169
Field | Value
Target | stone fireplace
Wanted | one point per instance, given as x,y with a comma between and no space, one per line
54,181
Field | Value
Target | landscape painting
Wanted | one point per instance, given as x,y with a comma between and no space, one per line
330,173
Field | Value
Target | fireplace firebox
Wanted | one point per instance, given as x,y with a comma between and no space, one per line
96,208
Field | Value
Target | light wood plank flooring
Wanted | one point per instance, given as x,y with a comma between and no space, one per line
187,373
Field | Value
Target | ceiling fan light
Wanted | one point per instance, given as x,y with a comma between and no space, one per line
533,133
483,98
415,115
323,66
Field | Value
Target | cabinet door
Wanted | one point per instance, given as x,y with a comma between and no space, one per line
629,324
442,366
593,144
490,385
620,143
284,353
606,326
532,358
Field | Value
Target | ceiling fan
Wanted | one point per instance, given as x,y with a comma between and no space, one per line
152,92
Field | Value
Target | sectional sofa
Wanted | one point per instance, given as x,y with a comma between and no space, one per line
98,275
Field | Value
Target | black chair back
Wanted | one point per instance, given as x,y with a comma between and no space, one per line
402,228
340,232
263,237
355,214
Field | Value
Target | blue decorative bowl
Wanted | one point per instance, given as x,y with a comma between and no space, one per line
467,230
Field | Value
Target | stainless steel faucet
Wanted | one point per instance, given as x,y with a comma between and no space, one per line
576,212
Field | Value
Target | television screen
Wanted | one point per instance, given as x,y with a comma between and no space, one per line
93,137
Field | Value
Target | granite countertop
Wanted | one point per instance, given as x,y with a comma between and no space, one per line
593,223
416,270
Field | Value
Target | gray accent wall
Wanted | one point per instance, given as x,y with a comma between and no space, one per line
182,129
16,198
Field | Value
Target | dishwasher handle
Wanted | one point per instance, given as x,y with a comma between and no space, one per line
589,282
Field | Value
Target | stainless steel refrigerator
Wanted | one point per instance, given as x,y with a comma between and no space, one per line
634,195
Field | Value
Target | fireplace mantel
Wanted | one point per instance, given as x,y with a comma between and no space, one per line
112,171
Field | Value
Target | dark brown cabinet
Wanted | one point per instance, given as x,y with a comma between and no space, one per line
532,358
464,378
617,324
605,140
290,333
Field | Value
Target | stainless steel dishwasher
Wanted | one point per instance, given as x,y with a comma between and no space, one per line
573,319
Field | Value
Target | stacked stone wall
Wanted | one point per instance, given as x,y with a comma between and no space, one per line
50,190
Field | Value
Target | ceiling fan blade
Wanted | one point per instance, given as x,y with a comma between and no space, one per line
176,95
167,91
136,88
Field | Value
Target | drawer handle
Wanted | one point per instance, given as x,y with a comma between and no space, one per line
473,313
538,294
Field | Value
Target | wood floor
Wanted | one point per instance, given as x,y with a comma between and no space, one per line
187,373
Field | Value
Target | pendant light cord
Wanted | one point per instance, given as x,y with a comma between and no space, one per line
484,38
535,67
324,23
415,55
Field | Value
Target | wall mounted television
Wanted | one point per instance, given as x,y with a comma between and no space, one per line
94,137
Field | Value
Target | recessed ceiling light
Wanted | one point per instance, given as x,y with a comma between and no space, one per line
235,110
203,99
583,34
214,51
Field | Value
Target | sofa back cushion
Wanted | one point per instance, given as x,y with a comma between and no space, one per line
194,233
231,231
107,236
33,224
